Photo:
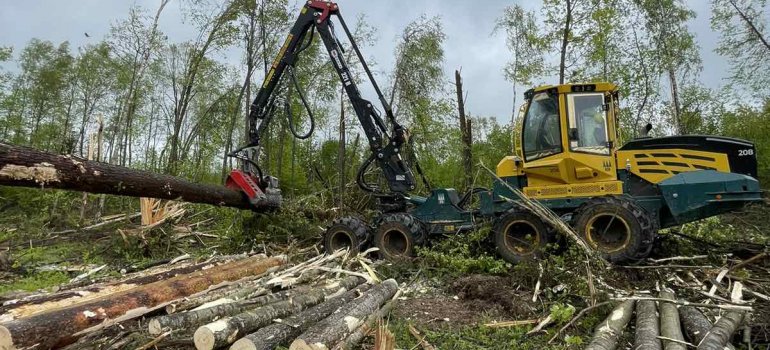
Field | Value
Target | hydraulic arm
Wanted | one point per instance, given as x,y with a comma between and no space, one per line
385,145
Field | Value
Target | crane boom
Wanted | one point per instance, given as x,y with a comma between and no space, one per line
385,144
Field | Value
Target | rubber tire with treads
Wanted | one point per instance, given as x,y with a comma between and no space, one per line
641,227
352,229
409,228
500,230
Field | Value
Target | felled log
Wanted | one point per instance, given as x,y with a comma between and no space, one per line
719,335
345,321
607,334
58,327
235,292
696,326
27,167
670,327
228,330
72,296
354,339
647,327
281,332
195,318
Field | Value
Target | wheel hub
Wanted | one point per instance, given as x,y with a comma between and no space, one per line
608,232
396,242
341,240
522,237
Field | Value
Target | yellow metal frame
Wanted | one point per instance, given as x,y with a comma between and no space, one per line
660,164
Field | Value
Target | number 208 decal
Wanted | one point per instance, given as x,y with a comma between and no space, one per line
745,152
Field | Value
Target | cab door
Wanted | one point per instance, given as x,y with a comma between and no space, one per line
591,137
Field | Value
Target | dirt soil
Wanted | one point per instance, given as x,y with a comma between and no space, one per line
469,300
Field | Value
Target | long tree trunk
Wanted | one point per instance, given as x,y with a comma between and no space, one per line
565,42
465,132
58,327
751,25
675,101
26,167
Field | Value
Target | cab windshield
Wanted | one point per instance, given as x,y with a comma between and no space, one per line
541,127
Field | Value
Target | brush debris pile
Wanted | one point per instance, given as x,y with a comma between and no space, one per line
237,302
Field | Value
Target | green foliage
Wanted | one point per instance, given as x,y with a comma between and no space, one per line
37,281
459,255
751,123
744,37
473,337
561,313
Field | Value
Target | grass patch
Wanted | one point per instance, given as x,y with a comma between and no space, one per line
475,337
39,280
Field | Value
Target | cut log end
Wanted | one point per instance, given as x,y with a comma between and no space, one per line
154,327
243,344
6,341
204,338
300,344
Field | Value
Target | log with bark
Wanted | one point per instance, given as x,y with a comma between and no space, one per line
28,305
282,331
235,292
670,327
229,307
647,326
27,167
607,334
333,329
62,326
354,339
696,326
228,330
721,333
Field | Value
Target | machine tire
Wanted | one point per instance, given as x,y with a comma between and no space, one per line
525,224
397,234
348,231
633,230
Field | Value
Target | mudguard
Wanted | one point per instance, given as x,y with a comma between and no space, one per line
700,194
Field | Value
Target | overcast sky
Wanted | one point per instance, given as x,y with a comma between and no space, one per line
468,25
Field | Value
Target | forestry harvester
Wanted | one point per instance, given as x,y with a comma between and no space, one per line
567,157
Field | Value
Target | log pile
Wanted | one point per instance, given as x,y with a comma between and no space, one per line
245,302
661,322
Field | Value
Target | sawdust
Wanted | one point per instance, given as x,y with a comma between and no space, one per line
41,173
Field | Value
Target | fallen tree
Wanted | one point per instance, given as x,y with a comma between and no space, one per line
62,326
27,167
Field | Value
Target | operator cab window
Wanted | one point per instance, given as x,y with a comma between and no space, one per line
542,133
588,123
